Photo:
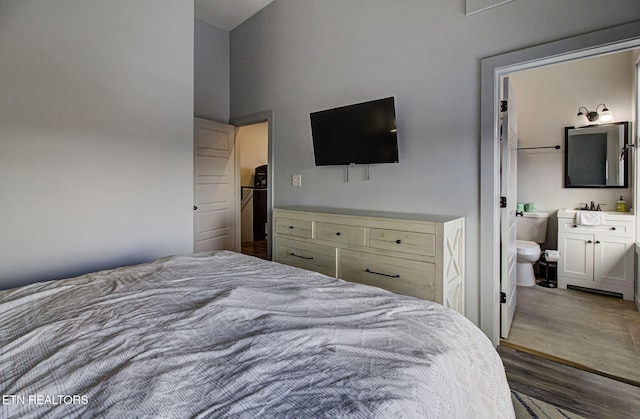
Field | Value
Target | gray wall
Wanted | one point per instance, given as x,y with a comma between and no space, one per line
96,128
299,56
211,72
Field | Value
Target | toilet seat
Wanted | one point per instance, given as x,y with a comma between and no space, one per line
528,248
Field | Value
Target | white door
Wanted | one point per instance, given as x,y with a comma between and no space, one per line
215,202
509,179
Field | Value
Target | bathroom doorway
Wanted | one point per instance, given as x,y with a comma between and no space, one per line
556,323
620,38
494,69
539,172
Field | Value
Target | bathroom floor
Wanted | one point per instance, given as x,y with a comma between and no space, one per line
590,331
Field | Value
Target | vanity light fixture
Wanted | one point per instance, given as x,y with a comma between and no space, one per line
589,117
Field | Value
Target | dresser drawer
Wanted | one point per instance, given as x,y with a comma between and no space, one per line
610,228
402,276
340,233
403,241
293,227
311,256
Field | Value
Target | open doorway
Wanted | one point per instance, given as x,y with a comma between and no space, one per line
494,69
606,41
252,142
256,131
557,322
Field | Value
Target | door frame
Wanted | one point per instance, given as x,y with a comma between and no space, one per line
251,119
615,39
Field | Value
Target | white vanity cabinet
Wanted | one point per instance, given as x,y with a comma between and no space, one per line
412,254
597,256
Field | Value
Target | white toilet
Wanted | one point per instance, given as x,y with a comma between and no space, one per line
531,233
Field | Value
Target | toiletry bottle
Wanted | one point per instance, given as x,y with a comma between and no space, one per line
622,206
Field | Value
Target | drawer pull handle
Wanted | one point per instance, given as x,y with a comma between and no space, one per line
574,226
613,228
291,227
589,241
338,233
597,241
381,274
398,241
301,257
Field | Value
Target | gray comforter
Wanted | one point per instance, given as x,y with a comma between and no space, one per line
223,334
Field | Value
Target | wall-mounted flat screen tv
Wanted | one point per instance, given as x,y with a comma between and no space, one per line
363,133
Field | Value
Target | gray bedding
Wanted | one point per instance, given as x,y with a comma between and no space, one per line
228,335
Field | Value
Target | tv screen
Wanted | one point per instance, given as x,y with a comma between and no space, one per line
363,133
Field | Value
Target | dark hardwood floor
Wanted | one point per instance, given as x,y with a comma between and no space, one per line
578,391
255,248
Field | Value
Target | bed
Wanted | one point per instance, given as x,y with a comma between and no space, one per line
228,335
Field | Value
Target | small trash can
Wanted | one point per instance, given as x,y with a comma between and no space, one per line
548,266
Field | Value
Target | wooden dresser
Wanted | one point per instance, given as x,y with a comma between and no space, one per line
412,254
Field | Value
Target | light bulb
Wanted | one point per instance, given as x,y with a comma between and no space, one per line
605,116
581,120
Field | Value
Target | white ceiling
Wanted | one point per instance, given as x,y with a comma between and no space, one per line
227,14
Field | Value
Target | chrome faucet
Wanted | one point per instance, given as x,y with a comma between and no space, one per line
593,206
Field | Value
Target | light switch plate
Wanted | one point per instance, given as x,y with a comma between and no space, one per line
296,180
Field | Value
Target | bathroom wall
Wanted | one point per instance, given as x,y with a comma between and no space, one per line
547,101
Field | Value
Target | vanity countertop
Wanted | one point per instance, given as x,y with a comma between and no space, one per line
610,215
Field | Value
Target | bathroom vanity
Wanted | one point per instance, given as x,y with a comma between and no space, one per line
598,256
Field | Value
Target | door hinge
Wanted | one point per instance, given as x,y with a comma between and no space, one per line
503,202
503,106
503,298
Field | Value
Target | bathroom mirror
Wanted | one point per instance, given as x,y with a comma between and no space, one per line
596,156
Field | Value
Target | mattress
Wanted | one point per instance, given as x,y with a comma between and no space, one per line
228,335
